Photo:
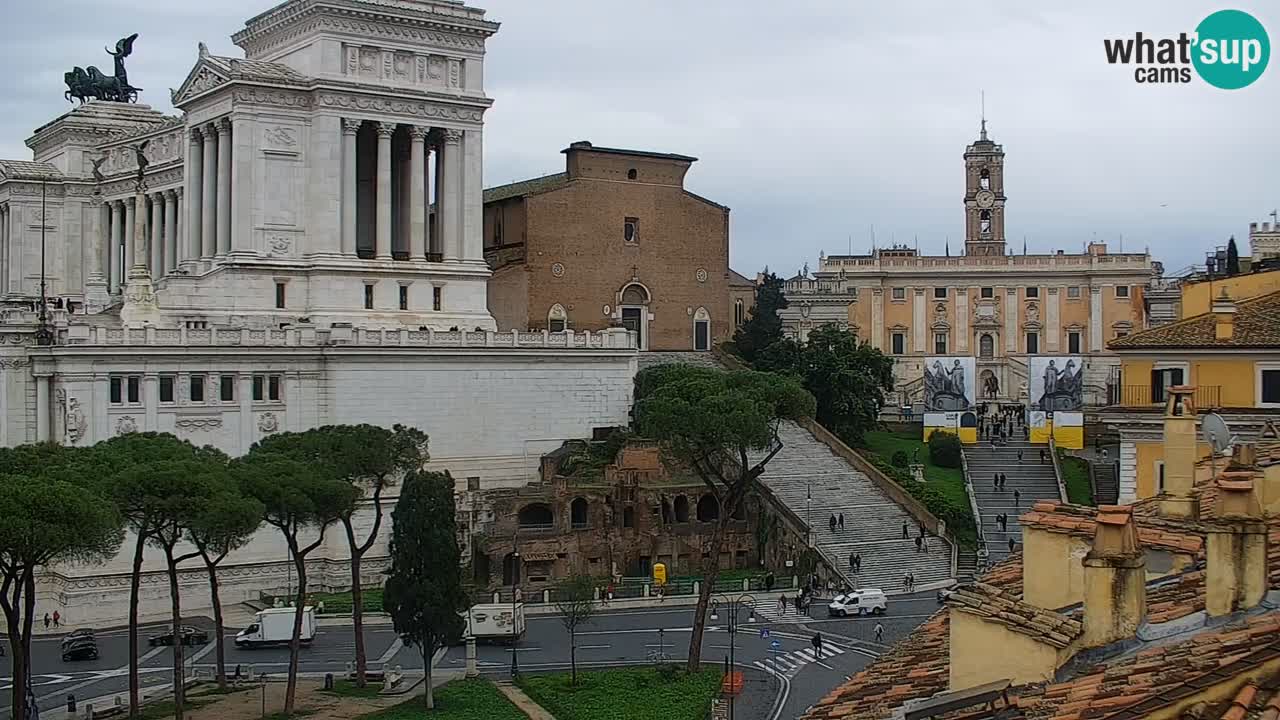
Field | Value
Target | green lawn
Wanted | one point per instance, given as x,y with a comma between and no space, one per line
340,603
641,693
347,688
951,502
1075,475
459,700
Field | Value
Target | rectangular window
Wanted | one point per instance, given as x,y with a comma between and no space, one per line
1033,343
166,388
227,388
1122,291
1033,292
473,483
134,386
1159,476
899,343
1269,386
1073,343
556,325
1073,292
631,230
117,390
197,388
368,297
404,297
259,384
437,298
939,343
987,293
280,295
899,293
273,388
1163,379
939,293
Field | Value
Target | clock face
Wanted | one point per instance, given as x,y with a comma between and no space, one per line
985,199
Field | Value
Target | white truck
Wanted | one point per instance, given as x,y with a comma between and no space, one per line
495,622
274,626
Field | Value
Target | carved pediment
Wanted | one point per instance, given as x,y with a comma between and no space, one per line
202,78
986,314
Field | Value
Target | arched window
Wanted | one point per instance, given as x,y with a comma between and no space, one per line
578,513
984,221
739,312
635,295
984,180
537,516
557,318
986,345
628,517
631,174
708,509
511,569
682,509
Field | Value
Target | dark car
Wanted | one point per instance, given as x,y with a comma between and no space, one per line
190,636
81,648
75,635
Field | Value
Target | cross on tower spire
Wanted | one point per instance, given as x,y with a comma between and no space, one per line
983,95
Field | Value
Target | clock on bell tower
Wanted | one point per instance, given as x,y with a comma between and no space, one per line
984,196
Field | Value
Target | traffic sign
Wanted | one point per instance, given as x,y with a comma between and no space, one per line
764,633
775,644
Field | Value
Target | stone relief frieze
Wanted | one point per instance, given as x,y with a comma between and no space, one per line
279,98
126,425
74,421
13,363
285,138
198,423
279,246
401,32
268,422
401,107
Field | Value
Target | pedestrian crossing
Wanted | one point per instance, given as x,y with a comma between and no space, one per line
769,612
790,663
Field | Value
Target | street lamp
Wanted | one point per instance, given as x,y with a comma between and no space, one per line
44,336
808,521
733,605
515,625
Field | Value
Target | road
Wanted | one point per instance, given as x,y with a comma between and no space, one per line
611,638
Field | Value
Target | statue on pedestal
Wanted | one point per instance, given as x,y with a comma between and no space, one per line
93,84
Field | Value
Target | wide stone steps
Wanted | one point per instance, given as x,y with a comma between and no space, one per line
815,484
1032,479
1104,475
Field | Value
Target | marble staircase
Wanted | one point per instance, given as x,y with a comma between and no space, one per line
1033,481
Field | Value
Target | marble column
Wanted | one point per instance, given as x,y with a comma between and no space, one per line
100,240
449,194
156,264
417,192
209,194
382,233
224,187
427,182
117,239
4,249
1010,322
435,243
1095,320
195,183
472,233
170,198
350,184
131,235
962,321
42,408
877,319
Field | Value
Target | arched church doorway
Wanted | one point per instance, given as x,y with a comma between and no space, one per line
634,305
986,346
702,330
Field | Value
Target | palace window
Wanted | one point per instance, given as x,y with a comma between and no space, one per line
437,298
939,293
1033,292
266,387
1269,385
1073,292
166,388
1122,291
117,391
133,385
940,343
280,295
739,312
404,297
259,385
368,296
899,343
984,222
197,388
1033,343
631,230
1073,342
986,345
984,180
899,293
557,318
273,388
227,388
987,293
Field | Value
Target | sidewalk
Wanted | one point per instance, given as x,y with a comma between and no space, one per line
523,702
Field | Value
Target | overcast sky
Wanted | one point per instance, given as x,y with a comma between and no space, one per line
813,120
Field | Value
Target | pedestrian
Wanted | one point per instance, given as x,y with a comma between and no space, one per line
1104,454
913,581
46,621
906,582
879,633
768,581
904,529
1097,445
853,562
1017,496
993,441
610,591
1026,433
1019,456
56,618
782,604
817,646
919,543
840,520
832,523
924,544
1041,456
995,481
857,562
1011,544
799,602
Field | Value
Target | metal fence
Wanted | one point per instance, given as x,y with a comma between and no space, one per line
1206,397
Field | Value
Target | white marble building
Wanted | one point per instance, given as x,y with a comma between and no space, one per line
304,249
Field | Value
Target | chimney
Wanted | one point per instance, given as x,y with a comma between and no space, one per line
1115,577
1224,317
1180,453
1236,566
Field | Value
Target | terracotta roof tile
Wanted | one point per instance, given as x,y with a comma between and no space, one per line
1256,325
1160,533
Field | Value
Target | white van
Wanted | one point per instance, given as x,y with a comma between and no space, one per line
858,602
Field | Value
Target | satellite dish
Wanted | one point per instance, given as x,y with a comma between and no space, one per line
1216,433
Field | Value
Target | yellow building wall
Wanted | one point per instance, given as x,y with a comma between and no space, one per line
1234,378
983,652
1068,437
1197,298
1148,453
1052,568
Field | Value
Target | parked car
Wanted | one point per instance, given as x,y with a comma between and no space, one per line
190,636
81,648
858,602
75,635
944,593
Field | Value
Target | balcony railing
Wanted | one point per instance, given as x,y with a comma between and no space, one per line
1206,397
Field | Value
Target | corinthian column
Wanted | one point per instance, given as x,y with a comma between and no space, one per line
350,184
117,239
209,194
382,237
195,182
170,231
156,263
449,195
417,192
224,187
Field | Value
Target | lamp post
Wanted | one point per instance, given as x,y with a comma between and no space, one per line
808,521
44,336
515,589
733,604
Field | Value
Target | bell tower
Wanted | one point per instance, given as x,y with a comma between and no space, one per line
984,196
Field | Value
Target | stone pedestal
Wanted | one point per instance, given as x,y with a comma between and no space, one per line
140,305
472,670
96,295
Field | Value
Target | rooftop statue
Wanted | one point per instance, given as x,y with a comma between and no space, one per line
93,84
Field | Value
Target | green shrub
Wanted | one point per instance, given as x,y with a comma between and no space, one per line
944,449
900,459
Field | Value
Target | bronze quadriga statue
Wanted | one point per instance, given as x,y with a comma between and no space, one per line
93,84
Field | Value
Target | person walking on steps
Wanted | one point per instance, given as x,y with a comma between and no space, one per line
919,543
1041,456
832,523
906,582
853,562
995,481
1011,545
904,530
1017,497
817,646
782,604
857,563
57,618
1019,456
840,521
879,633
46,621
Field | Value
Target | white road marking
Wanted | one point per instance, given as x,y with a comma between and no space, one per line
391,651
594,647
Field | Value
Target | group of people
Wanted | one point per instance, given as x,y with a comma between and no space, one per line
1002,520
999,423
855,562
55,618
909,582
837,521
998,483
922,539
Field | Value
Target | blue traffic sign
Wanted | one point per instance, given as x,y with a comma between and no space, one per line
764,633
775,644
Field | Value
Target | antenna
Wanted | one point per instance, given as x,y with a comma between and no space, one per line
1273,216
1218,436
983,96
